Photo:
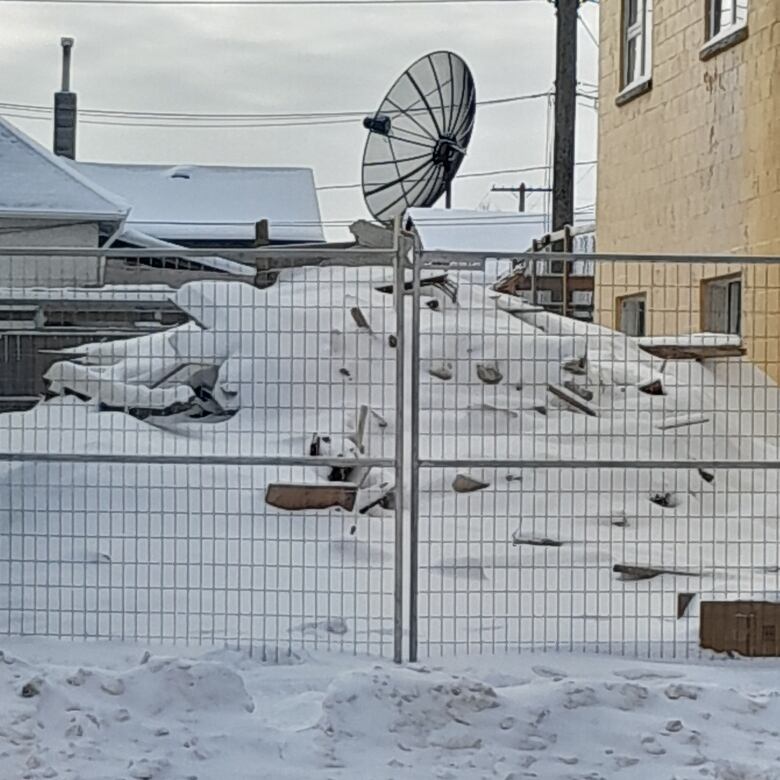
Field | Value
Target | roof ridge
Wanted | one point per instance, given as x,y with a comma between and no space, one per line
109,197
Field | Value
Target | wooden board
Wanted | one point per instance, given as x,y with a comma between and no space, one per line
572,400
321,496
693,351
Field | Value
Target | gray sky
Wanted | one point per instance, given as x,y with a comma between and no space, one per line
275,59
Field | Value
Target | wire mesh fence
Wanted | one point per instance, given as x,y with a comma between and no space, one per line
226,463
595,484
224,480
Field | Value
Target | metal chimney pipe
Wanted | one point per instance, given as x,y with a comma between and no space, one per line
65,108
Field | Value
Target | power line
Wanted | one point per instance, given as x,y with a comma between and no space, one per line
125,118
471,175
286,3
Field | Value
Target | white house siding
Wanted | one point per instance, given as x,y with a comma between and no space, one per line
45,270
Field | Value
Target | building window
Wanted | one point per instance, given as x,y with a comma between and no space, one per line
637,26
631,314
722,305
724,16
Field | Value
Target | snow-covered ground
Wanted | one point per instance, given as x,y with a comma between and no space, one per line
104,711
193,551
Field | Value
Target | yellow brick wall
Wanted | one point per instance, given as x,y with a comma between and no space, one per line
692,166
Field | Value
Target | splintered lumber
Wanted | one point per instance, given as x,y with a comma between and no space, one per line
572,400
706,475
385,501
582,392
465,484
536,541
578,366
488,374
680,421
359,318
511,413
324,496
683,602
315,445
693,351
630,573
654,387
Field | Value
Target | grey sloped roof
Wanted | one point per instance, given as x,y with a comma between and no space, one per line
34,182
216,202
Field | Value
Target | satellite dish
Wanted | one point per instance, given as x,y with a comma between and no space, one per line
417,139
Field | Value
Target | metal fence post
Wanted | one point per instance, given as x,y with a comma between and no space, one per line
400,375
414,507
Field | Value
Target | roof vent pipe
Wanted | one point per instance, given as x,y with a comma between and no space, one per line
65,109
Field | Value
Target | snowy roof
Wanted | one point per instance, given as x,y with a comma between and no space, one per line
36,183
139,239
467,230
216,203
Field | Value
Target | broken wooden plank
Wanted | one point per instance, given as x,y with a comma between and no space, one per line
535,541
359,318
315,445
693,351
577,366
324,496
572,400
681,421
631,572
582,392
511,413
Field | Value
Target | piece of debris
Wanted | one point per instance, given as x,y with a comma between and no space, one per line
360,319
582,392
536,541
392,341
315,445
385,501
465,484
619,521
683,602
680,421
442,372
31,688
541,410
706,475
324,496
488,374
431,303
631,573
359,435
654,387
574,401
578,366
380,421
490,408
514,477
344,372
665,500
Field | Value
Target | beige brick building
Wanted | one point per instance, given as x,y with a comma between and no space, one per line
689,162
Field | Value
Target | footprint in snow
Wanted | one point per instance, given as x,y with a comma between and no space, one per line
650,745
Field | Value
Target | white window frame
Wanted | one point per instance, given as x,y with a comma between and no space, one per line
640,315
641,33
716,27
729,318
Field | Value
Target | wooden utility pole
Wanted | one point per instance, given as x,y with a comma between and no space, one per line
565,109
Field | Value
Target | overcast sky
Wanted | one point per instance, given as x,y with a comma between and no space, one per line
275,59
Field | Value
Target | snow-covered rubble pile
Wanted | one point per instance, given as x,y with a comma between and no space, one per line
226,715
508,555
